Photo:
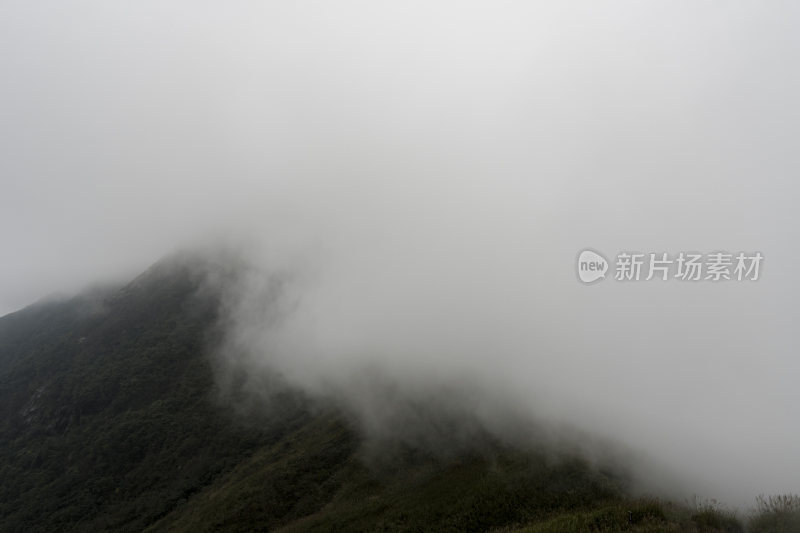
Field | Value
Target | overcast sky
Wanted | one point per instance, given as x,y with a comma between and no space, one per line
433,169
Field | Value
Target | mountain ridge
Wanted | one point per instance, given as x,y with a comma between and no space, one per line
114,419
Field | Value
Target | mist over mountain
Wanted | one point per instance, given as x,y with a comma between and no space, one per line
385,204
114,418
122,411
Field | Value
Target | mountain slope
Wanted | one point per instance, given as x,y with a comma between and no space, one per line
112,421
109,419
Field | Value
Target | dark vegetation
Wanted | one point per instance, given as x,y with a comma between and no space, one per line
111,421
776,513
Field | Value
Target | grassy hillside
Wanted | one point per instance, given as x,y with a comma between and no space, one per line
109,419
110,422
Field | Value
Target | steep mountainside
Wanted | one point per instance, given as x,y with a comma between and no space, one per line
111,421
108,412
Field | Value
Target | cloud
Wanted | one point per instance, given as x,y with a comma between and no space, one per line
421,178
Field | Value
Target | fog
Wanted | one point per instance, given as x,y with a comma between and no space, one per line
418,179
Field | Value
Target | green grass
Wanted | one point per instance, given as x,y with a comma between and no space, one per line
624,515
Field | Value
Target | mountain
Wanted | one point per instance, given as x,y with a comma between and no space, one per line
113,420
